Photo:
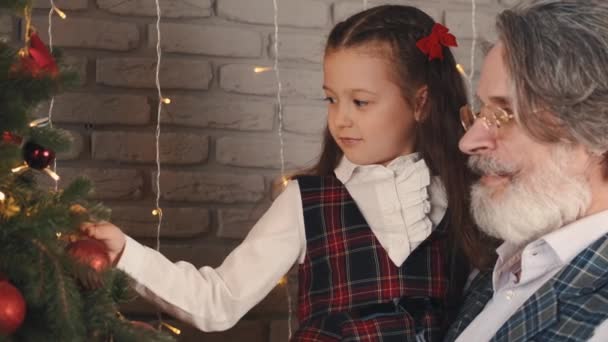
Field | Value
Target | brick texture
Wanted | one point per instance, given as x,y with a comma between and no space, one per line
214,187
226,113
175,148
140,73
309,13
265,152
101,109
169,9
90,33
207,40
241,78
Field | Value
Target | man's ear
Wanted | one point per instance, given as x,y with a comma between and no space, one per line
420,103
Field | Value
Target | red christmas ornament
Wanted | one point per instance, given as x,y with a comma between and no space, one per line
90,252
10,138
37,157
12,308
38,60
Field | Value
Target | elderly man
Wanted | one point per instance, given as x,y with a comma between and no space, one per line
539,145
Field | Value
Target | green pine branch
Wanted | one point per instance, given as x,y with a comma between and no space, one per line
15,4
65,300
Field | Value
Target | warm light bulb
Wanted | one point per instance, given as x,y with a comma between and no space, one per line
52,174
2,196
19,168
258,70
460,69
284,181
283,281
172,328
157,212
166,100
59,12
40,122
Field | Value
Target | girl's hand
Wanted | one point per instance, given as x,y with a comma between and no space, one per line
109,234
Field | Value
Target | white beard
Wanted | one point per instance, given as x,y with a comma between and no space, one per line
532,205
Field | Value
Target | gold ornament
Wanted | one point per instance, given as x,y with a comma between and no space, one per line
9,208
77,209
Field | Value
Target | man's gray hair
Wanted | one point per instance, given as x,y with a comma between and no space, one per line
557,56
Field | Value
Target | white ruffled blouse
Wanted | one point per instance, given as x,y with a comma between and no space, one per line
401,202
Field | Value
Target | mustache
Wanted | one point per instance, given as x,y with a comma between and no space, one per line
485,165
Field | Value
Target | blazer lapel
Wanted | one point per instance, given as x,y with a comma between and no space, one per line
479,293
537,313
582,277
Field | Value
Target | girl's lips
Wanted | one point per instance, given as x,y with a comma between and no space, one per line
350,141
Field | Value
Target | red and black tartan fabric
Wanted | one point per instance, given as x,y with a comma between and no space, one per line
347,275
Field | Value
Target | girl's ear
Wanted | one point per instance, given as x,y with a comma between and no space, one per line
420,103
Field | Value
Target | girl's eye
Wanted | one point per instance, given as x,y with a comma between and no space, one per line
329,99
360,103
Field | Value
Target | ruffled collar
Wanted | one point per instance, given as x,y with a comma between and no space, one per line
401,166
421,206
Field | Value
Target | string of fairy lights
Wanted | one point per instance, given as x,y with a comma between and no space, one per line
53,10
470,76
279,87
157,211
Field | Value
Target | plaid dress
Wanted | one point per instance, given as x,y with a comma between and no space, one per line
350,290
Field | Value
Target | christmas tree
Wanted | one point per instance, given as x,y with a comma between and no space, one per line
55,285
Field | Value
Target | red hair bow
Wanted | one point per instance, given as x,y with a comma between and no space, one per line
432,45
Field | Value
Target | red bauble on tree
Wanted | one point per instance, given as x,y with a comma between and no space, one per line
12,308
90,252
94,256
10,138
37,157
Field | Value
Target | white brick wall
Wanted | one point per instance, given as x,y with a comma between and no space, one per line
137,72
219,143
170,9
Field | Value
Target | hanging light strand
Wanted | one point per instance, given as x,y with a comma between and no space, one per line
277,74
161,100
473,49
52,103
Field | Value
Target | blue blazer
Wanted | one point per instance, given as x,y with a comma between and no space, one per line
568,307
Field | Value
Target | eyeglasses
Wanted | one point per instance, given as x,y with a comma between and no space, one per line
492,116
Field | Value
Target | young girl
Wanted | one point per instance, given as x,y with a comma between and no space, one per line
369,225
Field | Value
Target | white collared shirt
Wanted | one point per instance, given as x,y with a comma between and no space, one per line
540,260
394,200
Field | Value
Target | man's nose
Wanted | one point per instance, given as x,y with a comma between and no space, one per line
478,139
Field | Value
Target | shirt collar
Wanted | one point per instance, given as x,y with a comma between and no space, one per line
347,169
564,244
573,238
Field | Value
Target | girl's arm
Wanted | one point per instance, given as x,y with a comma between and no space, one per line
215,299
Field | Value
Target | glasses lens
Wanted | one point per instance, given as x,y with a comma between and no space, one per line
466,117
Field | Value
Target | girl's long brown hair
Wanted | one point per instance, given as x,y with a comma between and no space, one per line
397,29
